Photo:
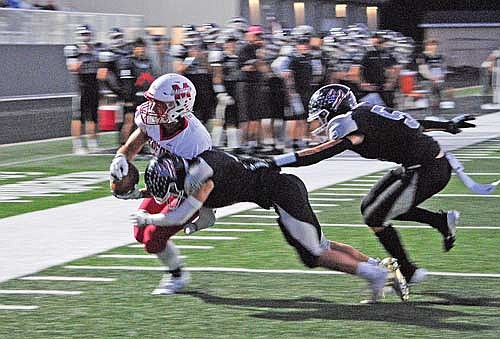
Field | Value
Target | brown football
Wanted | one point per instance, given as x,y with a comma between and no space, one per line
127,183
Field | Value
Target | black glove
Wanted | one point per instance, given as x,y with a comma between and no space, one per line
456,124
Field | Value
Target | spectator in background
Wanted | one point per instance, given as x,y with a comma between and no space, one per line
379,71
299,83
142,71
159,55
250,76
82,60
487,71
432,69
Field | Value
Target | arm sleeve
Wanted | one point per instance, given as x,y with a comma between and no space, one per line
434,125
313,155
179,216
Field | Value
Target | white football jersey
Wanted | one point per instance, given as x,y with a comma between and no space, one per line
192,140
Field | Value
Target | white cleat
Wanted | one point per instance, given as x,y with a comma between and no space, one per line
419,276
171,285
79,151
377,286
452,218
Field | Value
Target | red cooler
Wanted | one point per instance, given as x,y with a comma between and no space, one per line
407,81
107,117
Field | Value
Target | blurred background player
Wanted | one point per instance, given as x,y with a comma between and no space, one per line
194,66
166,121
379,71
432,69
119,77
82,60
226,75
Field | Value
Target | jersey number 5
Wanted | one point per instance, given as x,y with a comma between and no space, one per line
396,115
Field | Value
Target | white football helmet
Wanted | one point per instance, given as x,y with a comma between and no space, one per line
169,97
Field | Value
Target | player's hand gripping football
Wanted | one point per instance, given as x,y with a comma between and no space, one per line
119,167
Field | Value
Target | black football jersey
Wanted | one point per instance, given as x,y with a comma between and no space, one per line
238,180
392,136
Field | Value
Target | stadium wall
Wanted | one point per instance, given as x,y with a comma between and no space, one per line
30,73
164,12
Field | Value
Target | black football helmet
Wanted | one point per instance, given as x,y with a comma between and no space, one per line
328,102
165,176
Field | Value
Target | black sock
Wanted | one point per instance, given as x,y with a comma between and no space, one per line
438,220
389,238
176,273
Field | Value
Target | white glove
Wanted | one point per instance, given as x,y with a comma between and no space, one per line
140,218
196,175
132,194
119,167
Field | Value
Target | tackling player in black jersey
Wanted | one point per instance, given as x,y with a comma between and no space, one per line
377,132
216,179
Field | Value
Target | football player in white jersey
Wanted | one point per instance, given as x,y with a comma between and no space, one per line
166,121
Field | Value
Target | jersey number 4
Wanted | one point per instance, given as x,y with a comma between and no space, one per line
396,115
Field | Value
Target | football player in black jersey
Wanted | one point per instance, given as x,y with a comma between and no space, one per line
377,132
216,179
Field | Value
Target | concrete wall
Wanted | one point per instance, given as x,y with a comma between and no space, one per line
467,46
163,12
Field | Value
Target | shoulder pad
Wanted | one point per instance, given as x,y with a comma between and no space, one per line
71,51
215,57
341,126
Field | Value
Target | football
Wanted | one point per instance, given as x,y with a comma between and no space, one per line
127,183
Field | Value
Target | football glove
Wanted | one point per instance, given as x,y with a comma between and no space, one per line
119,167
140,218
457,123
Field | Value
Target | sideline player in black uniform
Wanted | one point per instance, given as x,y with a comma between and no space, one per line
377,132
217,179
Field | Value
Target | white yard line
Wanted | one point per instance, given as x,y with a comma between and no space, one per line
436,195
330,199
132,256
235,230
249,270
18,307
346,189
60,278
359,225
41,292
272,211
354,185
255,216
365,180
35,160
324,205
483,173
186,247
477,157
194,237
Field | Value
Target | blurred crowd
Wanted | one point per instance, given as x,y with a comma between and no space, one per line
47,5
253,85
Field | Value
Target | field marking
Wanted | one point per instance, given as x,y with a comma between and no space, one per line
35,160
479,174
186,247
358,225
60,278
17,307
324,205
330,199
241,230
253,216
194,237
252,270
347,189
132,256
355,185
41,292
476,157
365,180
445,195
458,155
272,211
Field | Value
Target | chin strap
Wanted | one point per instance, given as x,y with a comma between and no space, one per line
468,181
